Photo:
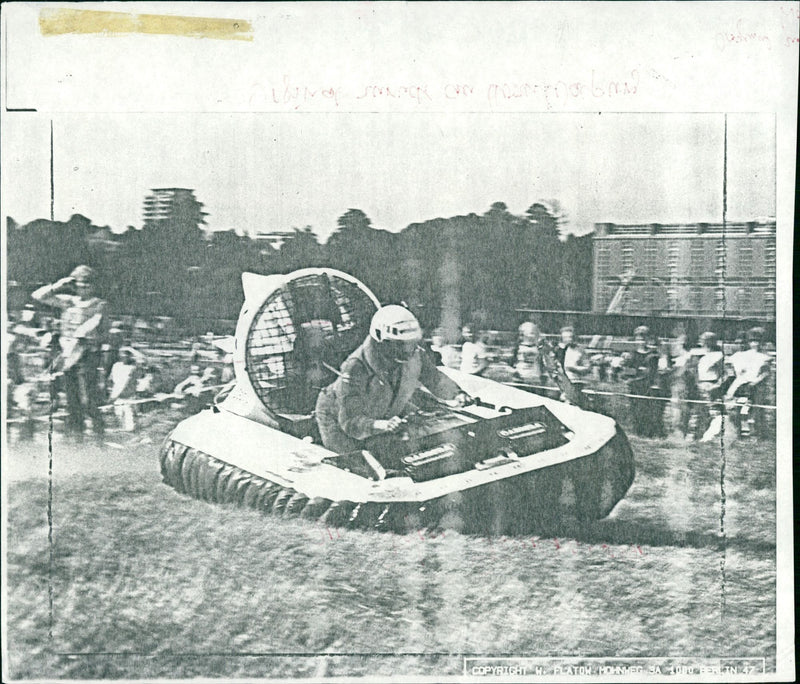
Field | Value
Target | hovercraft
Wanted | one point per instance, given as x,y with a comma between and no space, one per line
511,462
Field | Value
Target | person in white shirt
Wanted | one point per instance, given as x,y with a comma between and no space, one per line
474,354
709,372
750,368
123,377
527,355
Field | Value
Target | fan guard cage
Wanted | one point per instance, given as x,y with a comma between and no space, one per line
303,331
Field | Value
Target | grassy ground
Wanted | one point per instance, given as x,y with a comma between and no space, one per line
147,583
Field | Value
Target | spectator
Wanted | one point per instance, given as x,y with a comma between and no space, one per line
683,386
474,353
111,349
527,355
81,330
751,368
710,376
572,357
643,380
192,388
19,393
123,377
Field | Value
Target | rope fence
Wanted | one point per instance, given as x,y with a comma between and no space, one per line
107,408
161,398
605,393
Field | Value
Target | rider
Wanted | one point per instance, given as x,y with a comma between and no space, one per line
374,389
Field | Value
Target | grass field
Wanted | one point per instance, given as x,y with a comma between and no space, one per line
145,582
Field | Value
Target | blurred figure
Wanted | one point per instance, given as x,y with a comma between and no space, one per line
82,328
146,386
683,386
192,388
444,354
750,369
710,377
644,380
528,356
572,357
474,353
20,393
115,340
122,378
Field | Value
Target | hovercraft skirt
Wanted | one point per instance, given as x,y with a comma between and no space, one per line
585,488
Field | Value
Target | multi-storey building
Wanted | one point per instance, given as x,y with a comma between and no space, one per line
702,269
179,204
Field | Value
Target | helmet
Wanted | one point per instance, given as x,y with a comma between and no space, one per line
755,334
397,332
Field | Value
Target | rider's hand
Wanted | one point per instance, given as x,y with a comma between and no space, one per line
391,425
461,399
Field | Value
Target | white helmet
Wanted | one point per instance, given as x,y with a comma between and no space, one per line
397,332
394,322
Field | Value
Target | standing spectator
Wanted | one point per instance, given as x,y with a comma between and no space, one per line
683,387
751,368
123,377
710,376
111,349
527,355
20,394
474,353
444,354
572,356
81,332
647,414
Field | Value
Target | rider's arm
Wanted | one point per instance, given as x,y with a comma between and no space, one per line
437,382
353,417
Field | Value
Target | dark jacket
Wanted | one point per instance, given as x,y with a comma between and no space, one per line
370,389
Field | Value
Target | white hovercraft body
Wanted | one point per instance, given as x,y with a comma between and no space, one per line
242,451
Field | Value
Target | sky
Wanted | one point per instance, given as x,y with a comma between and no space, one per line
275,171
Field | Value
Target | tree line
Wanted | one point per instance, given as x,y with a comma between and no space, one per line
478,267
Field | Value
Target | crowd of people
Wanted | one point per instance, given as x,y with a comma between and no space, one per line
88,366
81,362
670,385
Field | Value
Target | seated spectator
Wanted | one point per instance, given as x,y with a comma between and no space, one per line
192,388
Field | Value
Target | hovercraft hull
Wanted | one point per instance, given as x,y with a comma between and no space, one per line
583,486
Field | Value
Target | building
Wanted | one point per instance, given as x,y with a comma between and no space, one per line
701,269
274,239
176,204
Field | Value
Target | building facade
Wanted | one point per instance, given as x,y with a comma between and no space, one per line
173,204
698,269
